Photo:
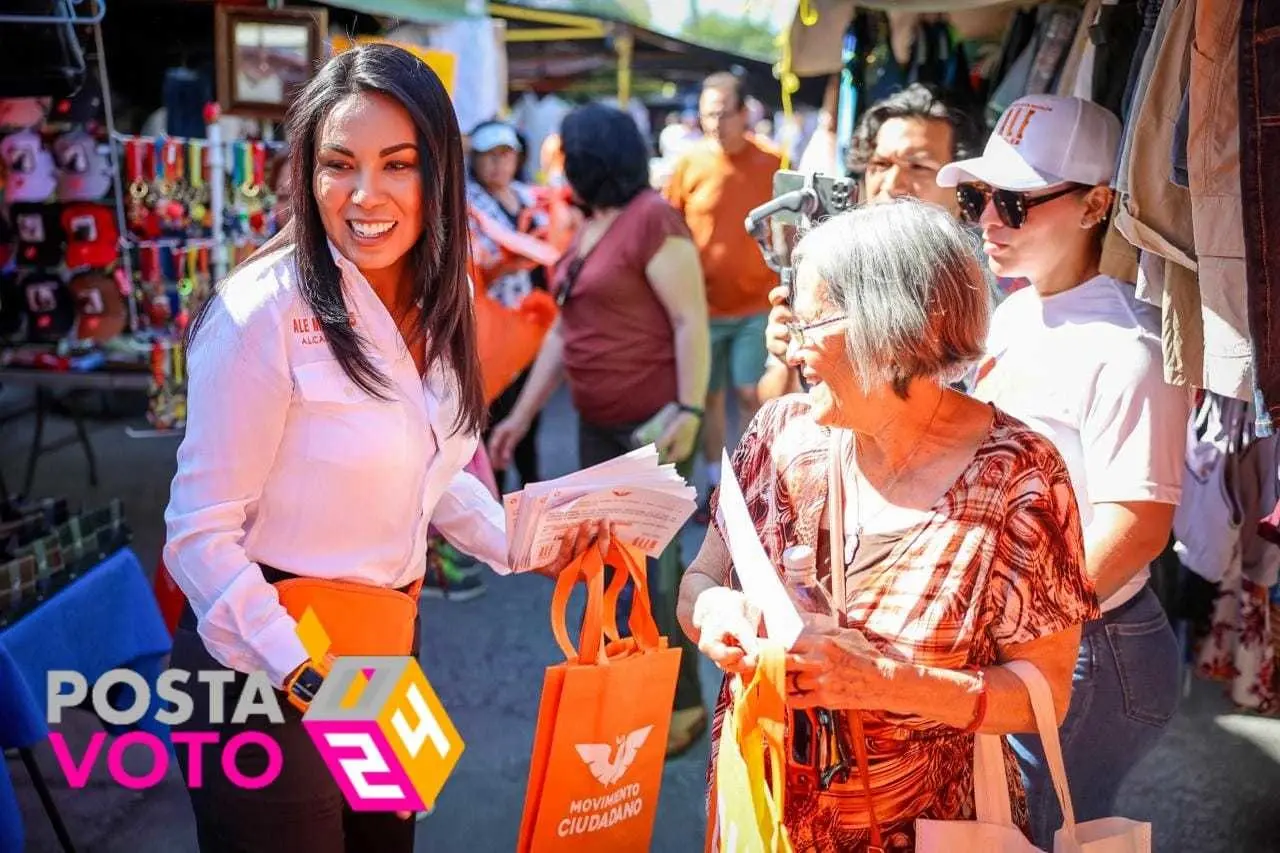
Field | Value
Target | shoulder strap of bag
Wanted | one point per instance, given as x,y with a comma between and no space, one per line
835,525
990,784
1047,725
864,771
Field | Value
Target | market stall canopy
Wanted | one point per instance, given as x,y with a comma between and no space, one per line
416,11
549,51
818,26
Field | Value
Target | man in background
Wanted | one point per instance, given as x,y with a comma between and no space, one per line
715,184
898,148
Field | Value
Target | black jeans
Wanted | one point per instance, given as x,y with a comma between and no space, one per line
302,811
598,444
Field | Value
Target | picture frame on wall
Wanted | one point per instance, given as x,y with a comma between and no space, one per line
264,56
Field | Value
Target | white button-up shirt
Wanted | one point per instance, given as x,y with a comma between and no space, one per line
288,463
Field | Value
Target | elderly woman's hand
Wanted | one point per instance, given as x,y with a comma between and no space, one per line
777,337
838,668
728,627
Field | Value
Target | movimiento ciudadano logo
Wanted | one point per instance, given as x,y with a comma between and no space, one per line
376,722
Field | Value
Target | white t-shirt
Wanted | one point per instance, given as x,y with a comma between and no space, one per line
1085,369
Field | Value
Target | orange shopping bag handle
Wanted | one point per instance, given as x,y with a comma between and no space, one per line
600,638
589,567
629,564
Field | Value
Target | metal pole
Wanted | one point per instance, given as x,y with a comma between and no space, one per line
624,44
122,224
217,185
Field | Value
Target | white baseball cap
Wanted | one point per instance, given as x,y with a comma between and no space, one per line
495,135
1043,140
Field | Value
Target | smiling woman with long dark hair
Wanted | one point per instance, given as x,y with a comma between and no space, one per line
334,398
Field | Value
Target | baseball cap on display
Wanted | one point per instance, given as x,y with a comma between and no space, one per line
495,135
1041,141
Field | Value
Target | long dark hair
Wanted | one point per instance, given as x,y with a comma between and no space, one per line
440,255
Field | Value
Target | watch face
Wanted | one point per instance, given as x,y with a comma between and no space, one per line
308,683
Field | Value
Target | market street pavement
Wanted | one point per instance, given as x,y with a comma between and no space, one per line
1211,785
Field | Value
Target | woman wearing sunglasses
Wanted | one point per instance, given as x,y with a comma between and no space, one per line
1077,357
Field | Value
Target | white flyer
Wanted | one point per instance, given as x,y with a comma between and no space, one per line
646,518
647,501
759,579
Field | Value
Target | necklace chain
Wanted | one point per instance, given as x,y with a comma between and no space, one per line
858,521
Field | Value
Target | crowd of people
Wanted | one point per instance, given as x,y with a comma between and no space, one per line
984,475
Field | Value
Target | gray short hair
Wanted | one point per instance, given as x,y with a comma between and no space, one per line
906,275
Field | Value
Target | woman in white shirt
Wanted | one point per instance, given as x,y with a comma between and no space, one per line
334,398
1078,357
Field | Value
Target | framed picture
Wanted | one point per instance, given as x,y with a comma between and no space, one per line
264,56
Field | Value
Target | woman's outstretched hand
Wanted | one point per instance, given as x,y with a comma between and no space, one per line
575,542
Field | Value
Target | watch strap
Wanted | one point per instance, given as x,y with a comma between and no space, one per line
304,684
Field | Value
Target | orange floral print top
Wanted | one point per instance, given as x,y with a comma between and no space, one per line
998,561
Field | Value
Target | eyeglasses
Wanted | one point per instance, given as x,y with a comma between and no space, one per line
798,332
1011,206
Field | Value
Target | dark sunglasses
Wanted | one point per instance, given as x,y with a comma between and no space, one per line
1011,206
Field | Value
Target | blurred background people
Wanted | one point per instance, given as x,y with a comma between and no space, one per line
898,147
494,194
679,135
715,185
632,340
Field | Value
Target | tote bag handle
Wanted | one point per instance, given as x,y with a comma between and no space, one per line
599,624
991,787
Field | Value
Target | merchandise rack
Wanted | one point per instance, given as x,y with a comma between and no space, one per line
89,13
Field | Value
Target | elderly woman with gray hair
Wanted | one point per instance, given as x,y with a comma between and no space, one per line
962,546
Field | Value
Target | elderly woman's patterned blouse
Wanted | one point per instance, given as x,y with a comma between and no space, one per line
997,562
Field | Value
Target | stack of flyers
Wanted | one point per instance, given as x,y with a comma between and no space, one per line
647,502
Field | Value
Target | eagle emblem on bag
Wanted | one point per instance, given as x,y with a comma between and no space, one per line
610,763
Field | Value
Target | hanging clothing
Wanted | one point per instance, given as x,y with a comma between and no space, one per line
1155,215
536,119
1151,14
1115,37
1140,78
1260,193
1075,81
1213,171
1037,68
1219,538
1207,522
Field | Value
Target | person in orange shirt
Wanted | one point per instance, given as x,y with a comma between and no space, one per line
715,185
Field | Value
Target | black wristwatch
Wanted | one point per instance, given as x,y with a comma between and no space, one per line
304,687
692,410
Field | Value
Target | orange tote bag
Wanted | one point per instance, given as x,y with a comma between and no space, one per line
601,740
